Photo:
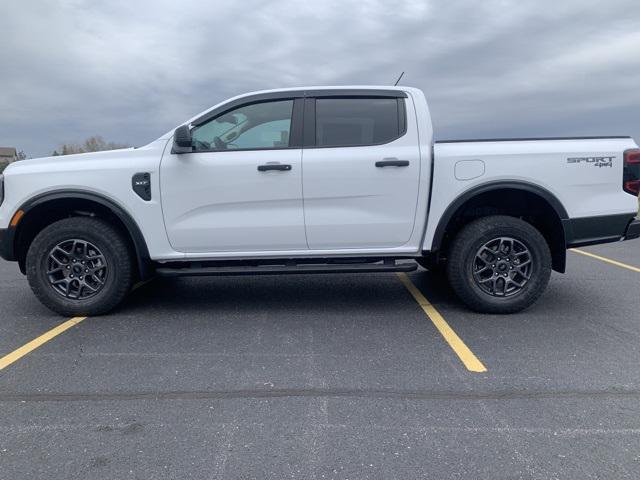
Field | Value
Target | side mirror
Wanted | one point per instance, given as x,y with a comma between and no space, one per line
182,140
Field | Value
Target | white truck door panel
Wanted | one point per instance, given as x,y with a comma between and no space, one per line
350,202
240,189
219,201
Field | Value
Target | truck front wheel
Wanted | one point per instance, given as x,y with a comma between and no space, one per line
79,266
499,264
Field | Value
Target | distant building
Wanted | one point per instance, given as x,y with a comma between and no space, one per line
8,154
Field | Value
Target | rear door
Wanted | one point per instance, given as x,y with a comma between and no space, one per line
361,169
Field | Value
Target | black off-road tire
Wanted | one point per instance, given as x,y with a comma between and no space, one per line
117,258
462,262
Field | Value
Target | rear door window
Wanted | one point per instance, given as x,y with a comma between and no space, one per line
350,122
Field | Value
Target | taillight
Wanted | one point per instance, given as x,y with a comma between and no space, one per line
631,172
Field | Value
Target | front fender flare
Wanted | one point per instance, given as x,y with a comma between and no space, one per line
143,258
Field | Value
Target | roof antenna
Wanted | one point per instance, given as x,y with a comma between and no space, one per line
395,84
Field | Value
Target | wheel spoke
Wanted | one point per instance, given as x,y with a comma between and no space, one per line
55,259
524,274
501,246
85,284
493,251
485,280
64,252
95,271
95,278
483,269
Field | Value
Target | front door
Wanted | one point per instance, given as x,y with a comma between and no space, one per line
240,190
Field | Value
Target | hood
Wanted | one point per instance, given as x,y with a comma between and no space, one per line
70,158
88,161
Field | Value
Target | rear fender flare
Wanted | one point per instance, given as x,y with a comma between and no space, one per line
454,207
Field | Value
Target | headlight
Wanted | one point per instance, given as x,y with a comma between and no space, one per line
1,188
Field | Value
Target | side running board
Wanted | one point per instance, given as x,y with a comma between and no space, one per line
271,269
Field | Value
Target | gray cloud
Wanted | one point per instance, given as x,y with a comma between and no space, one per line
130,71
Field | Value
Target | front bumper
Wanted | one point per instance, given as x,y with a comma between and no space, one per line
6,244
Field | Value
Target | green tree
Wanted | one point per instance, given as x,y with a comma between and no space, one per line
91,144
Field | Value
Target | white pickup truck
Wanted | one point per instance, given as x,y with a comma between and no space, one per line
316,180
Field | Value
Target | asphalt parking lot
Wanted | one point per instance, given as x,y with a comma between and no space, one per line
336,376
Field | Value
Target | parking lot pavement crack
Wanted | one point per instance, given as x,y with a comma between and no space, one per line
471,395
231,428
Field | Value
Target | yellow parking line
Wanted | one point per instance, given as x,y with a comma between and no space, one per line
45,337
37,342
607,260
455,342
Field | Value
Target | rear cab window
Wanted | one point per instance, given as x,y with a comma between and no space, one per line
351,122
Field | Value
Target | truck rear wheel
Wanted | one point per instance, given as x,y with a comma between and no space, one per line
79,266
499,264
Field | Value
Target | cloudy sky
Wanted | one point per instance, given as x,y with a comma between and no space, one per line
131,70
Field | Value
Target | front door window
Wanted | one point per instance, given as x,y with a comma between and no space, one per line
258,126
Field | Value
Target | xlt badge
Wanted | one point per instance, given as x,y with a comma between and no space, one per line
141,183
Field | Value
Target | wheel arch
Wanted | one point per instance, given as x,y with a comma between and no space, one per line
552,225
44,209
